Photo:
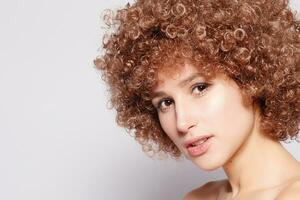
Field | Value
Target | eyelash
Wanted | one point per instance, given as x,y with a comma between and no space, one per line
205,85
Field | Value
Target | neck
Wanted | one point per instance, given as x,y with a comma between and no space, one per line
260,163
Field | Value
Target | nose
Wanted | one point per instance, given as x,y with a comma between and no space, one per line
184,118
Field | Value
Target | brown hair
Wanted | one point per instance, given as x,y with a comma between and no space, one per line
254,42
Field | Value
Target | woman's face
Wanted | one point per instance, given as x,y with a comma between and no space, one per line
189,106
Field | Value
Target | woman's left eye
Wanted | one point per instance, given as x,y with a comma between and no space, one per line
199,87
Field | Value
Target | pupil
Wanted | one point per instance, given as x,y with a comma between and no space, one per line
168,102
201,87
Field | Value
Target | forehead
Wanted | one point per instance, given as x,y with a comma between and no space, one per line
175,73
178,71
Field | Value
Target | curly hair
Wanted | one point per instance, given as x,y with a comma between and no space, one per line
254,42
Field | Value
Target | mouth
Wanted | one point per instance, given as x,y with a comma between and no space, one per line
198,147
197,141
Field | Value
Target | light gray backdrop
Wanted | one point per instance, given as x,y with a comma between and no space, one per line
58,140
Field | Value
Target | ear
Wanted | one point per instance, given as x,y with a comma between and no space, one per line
256,107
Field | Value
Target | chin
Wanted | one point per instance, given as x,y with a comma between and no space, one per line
207,166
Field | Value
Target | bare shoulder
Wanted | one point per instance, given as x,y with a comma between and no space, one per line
292,191
207,191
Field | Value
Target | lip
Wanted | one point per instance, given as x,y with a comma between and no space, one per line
199,150
196,139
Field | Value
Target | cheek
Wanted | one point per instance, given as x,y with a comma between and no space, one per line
230,123
168,124
229,120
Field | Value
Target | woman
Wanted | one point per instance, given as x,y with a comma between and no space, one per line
215,81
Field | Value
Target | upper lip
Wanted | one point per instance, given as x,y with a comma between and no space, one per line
196,139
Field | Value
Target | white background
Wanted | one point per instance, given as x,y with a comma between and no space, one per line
58,140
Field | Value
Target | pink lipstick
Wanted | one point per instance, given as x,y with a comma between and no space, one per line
198,146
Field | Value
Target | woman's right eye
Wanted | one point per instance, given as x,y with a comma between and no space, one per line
164,104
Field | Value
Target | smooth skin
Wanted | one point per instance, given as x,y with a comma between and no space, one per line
257,167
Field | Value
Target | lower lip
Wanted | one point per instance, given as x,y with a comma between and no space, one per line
199,149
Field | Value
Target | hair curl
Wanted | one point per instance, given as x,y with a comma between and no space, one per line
254,42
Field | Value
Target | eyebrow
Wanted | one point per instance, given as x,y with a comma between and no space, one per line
181,84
